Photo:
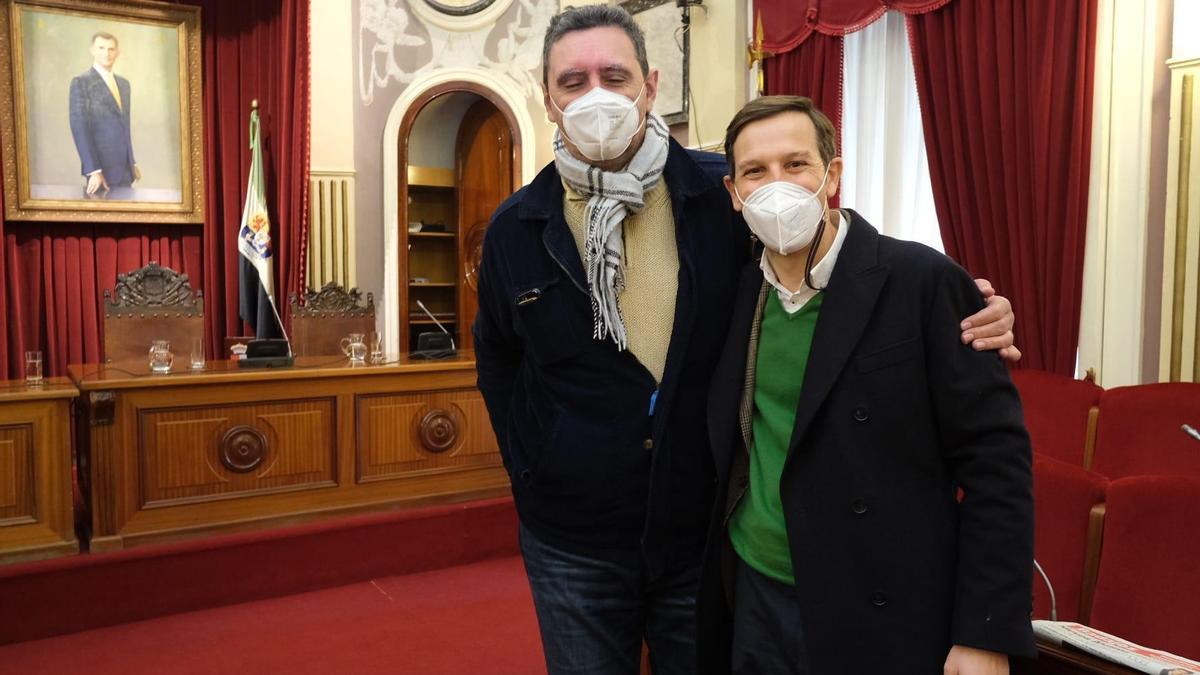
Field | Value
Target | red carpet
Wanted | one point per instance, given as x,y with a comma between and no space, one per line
75,593
475,618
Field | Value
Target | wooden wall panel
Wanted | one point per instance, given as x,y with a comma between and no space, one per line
479,427
430,432
311,429
199,454
35,471
17,486
191,458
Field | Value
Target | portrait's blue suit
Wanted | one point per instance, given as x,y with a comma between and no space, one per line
101,127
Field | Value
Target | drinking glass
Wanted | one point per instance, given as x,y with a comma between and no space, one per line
33,368
197,353
375,346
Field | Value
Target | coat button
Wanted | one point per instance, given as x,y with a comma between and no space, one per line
858,506
648,444
860,414
526,474
878,599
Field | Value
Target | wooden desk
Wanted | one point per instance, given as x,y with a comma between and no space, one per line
35,470
232,448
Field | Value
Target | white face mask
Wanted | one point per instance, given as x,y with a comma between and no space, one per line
601,123
783,215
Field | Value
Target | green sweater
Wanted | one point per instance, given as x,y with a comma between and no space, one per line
757,528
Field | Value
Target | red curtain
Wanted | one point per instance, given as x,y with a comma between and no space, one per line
788,23
54,274
1006,100
255,50
813,69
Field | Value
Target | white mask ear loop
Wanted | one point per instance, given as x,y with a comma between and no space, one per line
821,187
561,114
739,194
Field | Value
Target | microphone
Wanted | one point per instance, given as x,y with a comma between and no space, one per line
269,353
1190,431
282,330
433,345
439,323
1050,586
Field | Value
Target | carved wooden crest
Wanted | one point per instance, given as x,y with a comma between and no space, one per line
156,288
333,300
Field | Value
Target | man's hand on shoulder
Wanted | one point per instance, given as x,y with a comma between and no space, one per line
991,327
970,661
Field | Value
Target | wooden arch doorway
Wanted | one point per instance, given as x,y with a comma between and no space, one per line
459,151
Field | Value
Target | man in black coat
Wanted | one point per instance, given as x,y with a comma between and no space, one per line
845,416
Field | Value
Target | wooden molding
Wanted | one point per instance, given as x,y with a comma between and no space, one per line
1091,562
243,448
438,431
1179,265
1089,444
154,289
331,300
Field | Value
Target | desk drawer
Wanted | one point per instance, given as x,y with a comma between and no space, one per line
402,435
213,452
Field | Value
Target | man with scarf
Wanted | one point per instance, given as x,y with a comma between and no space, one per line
605,293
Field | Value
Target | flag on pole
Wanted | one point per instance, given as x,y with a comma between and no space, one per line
256,279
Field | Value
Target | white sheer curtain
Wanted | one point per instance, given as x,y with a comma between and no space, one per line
886,176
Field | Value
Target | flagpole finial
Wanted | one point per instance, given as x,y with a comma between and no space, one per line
254,104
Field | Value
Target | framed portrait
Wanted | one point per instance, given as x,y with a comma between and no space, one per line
100,111
667,47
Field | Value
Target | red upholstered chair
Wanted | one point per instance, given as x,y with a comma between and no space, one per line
1140,431
1070,514
1148,587
1060,413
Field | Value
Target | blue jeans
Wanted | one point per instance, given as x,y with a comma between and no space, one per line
594,614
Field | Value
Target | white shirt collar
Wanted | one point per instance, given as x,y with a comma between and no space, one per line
106,74
821,272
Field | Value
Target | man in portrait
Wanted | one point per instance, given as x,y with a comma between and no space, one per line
99,113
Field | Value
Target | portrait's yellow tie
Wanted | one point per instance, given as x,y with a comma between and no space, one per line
112,86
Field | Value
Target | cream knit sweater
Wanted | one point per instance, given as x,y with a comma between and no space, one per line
651,259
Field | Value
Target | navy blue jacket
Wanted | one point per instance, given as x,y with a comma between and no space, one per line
593,470
101,128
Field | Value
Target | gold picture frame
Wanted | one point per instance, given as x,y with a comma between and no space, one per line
101,113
